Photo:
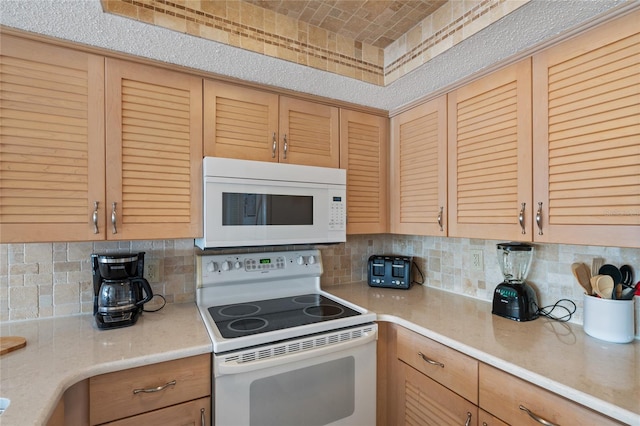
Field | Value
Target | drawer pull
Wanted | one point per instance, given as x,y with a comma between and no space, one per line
536,417
158,389
468,422
203,422
430,361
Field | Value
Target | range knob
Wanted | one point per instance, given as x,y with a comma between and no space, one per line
212,266
311,260
226,265
300,260
238,264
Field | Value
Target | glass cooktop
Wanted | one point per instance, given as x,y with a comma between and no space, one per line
244,319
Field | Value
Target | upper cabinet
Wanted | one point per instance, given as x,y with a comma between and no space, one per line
418,196
51,143
587,137
255,125
154,152
363,152
490,148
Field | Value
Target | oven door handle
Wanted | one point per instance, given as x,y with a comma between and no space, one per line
235,367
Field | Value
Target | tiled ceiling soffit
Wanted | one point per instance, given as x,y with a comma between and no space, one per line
376,41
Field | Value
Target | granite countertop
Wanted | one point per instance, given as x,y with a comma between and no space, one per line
556,356
63,351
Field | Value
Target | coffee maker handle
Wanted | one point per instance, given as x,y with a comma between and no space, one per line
146,288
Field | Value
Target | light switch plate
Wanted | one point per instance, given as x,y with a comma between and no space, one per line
477,261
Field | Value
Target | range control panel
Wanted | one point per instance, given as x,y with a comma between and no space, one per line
225,268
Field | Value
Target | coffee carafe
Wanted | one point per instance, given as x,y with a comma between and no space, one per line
120,291
514,298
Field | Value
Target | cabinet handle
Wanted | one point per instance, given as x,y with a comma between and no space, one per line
286,146
152,390
536,417
430,361
274,146
521,217
94,217
202,419
468,422
114,218
539,218
440,218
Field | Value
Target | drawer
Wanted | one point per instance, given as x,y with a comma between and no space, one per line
112,396
446,366
196,413
502,394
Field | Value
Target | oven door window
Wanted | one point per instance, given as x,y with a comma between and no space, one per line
316,395
247,209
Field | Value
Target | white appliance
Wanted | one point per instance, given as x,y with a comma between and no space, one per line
285,352
255,203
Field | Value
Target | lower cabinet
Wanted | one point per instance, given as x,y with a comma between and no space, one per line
169,393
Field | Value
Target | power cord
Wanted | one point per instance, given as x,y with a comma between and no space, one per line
164,302
420,272
546,311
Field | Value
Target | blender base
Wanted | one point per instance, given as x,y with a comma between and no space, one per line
515,301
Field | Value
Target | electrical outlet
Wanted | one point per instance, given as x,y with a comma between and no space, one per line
152,270
477,263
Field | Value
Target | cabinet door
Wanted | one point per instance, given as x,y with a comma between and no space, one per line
490,165
51,143
587,137
240,122
196,413
422,401
418,190
309,133
154,152
363,152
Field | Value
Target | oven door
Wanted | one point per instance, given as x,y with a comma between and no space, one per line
332,384
249,212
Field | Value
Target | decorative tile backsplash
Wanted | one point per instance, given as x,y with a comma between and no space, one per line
54,279
244,25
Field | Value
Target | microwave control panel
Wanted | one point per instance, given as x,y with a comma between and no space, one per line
337,212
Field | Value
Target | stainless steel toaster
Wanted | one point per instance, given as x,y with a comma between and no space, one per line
389,271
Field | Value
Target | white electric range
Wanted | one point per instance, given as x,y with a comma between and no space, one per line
285,352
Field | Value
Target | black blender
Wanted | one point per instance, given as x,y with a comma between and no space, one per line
514,298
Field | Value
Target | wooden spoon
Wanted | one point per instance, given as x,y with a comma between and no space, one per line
583,275
603,285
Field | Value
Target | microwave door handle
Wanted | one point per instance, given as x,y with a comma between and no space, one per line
235,367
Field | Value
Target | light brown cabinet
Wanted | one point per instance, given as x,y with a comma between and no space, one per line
587,137
153,152
518,402
364,143
418,201
52,142
490,146
94,149
175,391
252,124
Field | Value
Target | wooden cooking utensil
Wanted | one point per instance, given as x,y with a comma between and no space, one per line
583,275
11,343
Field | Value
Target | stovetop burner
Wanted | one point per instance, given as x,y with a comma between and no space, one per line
243,319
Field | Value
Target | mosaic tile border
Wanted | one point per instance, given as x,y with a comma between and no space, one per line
368,71
443,34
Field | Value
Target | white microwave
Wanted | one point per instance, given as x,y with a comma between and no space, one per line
254,203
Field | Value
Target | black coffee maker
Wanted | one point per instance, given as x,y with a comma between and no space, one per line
119,289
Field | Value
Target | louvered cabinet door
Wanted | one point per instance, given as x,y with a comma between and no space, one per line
240,122
587,137
309,133
424,402
154,152
490,164
418,190
51,143
363,147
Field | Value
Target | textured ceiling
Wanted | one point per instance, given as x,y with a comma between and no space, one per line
374,22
